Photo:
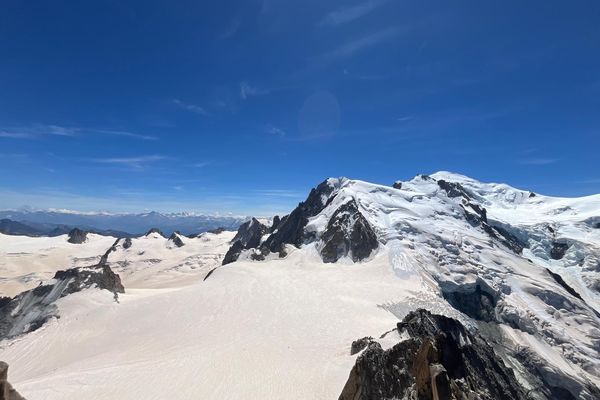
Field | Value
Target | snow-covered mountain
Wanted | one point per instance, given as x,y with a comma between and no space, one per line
49,221
328,302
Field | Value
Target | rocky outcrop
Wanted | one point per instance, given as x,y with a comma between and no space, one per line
176,239
477,300
248,236
233,253
558,250
155,230
77,236
7,392
291,229
397,185
440,359
453,189
275,224
127,243
348,234
31,309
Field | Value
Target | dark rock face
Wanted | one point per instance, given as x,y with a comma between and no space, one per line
176,239
348,234
478,300
7,392
248,236
217,231
564,284
233,253
77,236
291,228
31,309
531,194
440,360
127,243
558,250
397,185
453,189
250,233
155,230
275,224
360,344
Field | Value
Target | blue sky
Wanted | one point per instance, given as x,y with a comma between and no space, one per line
244,106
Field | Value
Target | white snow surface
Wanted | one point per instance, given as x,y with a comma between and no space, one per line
282,328
27,261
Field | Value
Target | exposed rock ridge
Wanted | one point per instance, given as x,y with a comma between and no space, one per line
77,236
440,359
7,392
31,309
248,236
348,234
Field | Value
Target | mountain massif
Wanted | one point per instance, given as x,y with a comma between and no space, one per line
440,287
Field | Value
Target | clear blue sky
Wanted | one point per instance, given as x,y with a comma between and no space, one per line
244,106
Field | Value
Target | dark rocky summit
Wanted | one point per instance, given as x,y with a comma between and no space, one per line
453,189
155,230
127,243
440,360
275,224
291,229
348,234
397,185
31,309
7,392
77,236
176,239
248,236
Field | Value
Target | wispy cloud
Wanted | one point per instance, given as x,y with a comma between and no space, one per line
539,161
202,164
356,45
348,14
15,135
38,131
273,130
126,134
247,90
279,193
132,162
191,107
404,119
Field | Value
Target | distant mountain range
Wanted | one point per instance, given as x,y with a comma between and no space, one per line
54,223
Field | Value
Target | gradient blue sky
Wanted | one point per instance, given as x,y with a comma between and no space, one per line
243,106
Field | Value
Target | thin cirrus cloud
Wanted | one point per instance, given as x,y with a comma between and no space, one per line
38,131
273,130
539,161
191,107
348,14
132,162
126,134
247,90
279,193
202,164
352,47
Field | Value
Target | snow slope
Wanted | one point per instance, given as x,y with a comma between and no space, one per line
26,261
154,261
